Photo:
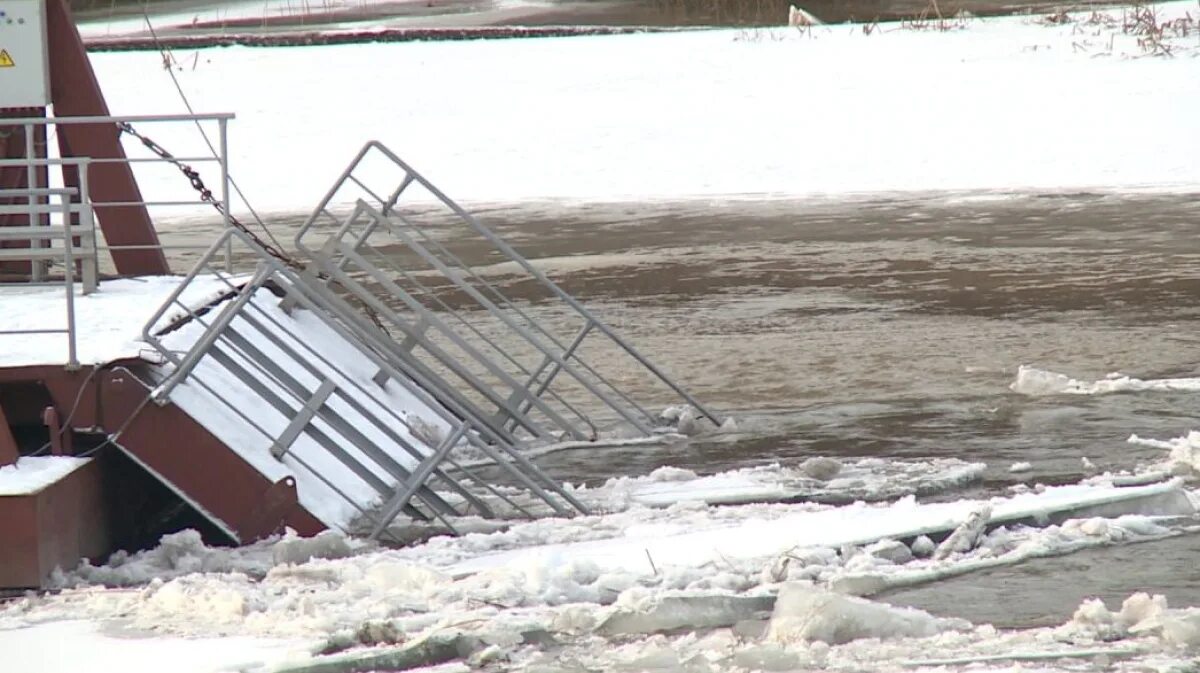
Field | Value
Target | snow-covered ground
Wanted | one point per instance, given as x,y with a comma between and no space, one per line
1004,104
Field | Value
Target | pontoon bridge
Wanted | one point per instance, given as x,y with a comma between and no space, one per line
358,376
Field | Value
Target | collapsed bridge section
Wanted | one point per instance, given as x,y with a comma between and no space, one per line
358,377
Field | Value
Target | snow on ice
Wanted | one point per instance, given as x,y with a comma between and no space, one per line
81,645
1184,456
605,575
1039,382
821,479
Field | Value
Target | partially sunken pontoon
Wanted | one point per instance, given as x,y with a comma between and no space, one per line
340,387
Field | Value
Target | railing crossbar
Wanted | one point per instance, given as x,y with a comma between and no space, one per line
459,317
535,324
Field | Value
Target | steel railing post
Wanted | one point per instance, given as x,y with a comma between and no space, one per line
69,282
36,268
87,237
223,143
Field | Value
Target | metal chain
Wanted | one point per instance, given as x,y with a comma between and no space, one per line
207,196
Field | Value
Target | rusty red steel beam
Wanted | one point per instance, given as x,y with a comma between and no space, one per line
76,92
9,451
174,448
60,442
53,527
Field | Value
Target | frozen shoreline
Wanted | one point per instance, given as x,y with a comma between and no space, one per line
1004,105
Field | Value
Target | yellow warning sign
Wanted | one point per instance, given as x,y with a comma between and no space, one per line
6,60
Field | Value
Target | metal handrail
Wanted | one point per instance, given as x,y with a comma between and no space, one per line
105,119
220,156
342,254
67,233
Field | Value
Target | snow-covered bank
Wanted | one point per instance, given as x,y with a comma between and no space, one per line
1004,104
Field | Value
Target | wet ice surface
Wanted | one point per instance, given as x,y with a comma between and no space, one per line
893,326
881,329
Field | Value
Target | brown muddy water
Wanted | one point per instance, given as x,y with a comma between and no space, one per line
892,326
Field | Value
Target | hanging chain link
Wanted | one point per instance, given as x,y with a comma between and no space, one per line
207,196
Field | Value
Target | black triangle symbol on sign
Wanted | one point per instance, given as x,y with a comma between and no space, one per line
5,60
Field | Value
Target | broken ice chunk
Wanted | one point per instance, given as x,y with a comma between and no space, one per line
805,613
966,536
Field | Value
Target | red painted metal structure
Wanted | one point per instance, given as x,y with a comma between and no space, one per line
52,528
78,516
75,92
81,515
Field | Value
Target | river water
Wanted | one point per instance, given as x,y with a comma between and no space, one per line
892,326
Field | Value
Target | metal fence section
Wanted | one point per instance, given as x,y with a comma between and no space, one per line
146,158
61,232
248,354
474,318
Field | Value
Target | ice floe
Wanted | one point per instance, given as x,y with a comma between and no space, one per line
1184,452
821,479
618,589
1040,382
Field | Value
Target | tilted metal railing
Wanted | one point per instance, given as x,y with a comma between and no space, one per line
238,335
528,368
212,153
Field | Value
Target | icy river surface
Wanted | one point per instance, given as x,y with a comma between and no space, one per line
895,327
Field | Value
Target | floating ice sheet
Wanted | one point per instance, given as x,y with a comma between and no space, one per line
85,645
868,479
1040,382
351,593
647,549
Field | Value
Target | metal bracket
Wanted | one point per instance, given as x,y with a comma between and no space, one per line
303,417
